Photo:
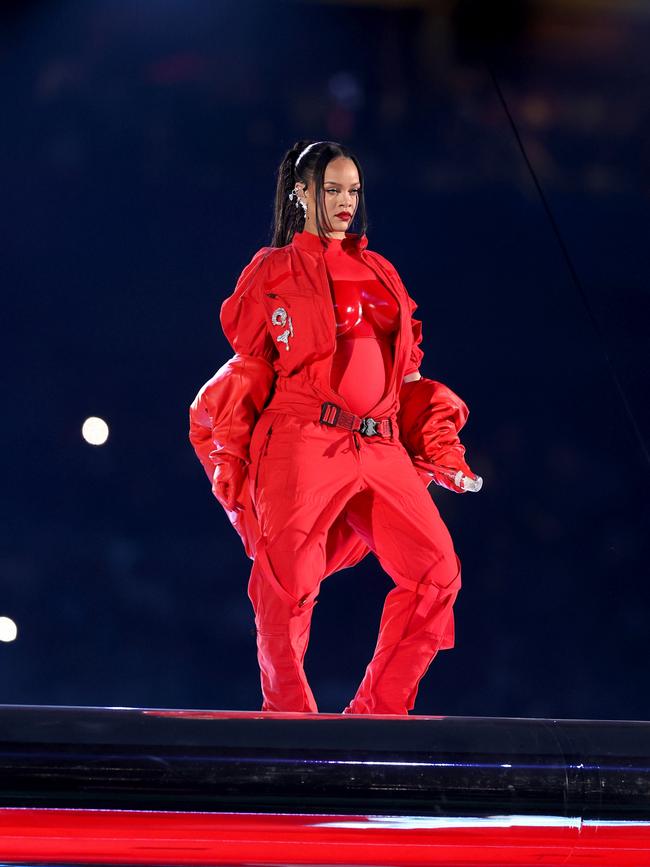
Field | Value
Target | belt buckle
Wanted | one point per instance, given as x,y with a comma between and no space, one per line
326,410
368,427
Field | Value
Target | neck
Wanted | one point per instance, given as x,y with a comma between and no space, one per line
339,236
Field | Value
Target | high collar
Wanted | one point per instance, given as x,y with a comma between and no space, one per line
353,241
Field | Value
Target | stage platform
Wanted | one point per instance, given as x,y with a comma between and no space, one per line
161,787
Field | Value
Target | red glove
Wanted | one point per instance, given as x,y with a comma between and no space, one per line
227,481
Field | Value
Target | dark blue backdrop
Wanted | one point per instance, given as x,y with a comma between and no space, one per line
137,174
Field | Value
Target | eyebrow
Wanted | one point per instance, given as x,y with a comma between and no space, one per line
336,183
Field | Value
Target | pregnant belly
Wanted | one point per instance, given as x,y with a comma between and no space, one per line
361,367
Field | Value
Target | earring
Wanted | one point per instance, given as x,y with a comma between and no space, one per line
294,194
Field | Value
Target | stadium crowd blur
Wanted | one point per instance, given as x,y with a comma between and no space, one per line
138,157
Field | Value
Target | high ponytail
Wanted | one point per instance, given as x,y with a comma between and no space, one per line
289,219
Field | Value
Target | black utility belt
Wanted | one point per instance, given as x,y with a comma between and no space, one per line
336,416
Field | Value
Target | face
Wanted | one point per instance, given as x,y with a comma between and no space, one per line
339,196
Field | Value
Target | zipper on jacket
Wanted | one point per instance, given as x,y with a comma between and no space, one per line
263,451
267,439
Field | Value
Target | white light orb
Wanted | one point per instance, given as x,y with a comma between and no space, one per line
95,431
8,629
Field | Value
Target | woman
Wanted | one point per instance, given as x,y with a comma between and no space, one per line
321,436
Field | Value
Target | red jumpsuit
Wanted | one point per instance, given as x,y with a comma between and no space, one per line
309,326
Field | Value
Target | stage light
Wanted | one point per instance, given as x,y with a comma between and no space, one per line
8,629
95,431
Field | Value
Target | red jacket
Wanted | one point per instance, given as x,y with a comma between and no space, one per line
280,323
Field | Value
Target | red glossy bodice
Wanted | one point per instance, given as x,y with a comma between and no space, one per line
367,319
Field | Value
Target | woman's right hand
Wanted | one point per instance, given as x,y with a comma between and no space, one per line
227,481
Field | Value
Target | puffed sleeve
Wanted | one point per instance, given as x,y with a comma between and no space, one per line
222,417
430,414
224,412
430,418
226,408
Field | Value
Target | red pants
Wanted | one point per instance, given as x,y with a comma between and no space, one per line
307,475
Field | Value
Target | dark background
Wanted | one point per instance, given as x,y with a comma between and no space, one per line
506,152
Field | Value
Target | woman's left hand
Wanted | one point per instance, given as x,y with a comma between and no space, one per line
227,481
459,479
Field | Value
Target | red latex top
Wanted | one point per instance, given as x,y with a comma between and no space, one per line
367,321
363,306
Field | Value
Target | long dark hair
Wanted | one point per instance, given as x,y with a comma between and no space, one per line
289,219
